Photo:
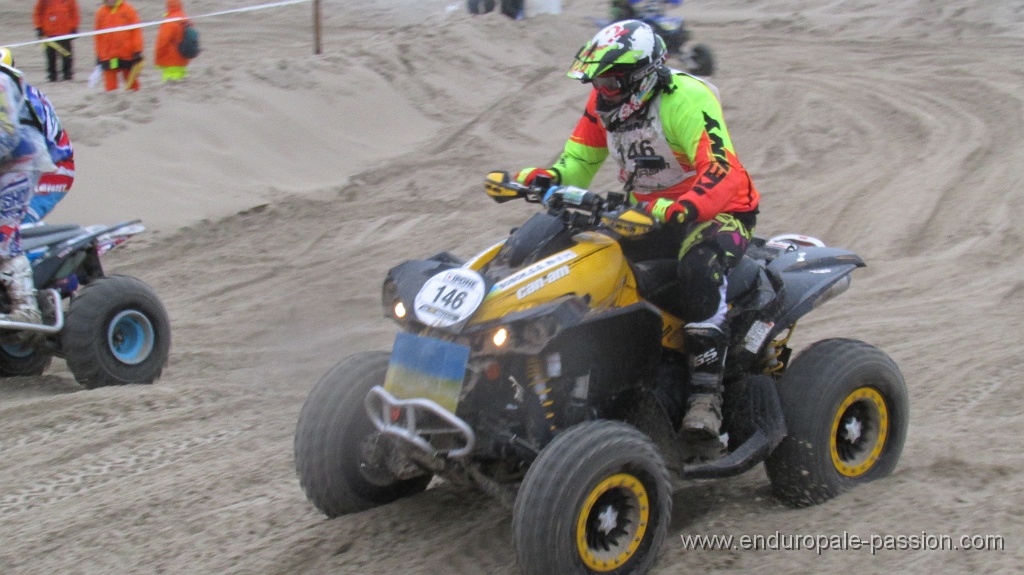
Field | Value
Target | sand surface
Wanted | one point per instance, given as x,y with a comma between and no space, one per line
279,186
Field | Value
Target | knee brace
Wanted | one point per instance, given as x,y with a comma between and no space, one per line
701,275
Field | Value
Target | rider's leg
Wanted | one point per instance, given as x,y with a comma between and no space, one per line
16,277
15,270
707,254
703,287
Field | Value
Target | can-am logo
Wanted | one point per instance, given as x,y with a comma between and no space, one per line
541,282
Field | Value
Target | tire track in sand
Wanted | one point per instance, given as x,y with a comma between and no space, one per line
96,472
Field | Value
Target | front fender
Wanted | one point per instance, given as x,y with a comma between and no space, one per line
407,278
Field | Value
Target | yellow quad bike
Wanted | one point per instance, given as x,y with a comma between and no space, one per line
549,371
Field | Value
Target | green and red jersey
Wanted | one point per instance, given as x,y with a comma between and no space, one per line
684,124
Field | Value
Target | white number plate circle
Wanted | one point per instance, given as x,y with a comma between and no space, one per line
449,297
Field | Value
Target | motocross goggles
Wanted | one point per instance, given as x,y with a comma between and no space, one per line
610,84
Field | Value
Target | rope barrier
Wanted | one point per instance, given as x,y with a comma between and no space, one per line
155,23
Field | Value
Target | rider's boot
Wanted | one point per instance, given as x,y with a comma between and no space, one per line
16,277
706,346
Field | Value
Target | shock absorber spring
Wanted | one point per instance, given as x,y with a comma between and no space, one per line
773,364
537,374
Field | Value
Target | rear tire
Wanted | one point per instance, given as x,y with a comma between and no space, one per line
329,438
597,499
847,412
116,332
702,60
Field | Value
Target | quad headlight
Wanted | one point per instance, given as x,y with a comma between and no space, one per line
392,304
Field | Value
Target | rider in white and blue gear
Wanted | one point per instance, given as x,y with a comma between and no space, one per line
23,159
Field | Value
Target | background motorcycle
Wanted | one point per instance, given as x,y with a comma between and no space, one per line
697,59
111,330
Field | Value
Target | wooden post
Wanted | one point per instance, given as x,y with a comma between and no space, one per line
316,27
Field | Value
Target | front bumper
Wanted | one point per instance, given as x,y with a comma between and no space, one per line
421,423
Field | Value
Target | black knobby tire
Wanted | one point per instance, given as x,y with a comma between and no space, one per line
703,60
117,332
479,6
597,499
18,360
847,412
328,440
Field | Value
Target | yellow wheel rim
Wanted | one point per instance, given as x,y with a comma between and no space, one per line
612,522
859,431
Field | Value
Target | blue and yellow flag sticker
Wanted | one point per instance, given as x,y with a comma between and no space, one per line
427,368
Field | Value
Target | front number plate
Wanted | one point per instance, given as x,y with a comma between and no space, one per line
427,368
449,297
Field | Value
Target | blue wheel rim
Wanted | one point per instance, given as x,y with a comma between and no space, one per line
130,337
18,351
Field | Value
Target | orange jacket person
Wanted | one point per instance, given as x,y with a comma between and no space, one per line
171,63
119,52
57,18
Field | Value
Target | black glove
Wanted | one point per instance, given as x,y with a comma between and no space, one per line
39,32
105,64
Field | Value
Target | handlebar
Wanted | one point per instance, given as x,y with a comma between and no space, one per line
578,208
501,189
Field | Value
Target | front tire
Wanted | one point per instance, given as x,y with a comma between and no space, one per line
20,360
117,332
329,441
847,411
596,500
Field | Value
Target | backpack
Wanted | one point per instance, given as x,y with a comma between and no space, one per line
189,46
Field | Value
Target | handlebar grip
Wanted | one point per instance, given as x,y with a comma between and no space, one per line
501,188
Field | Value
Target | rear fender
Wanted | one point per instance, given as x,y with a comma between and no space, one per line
78,254
811,276
80,259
